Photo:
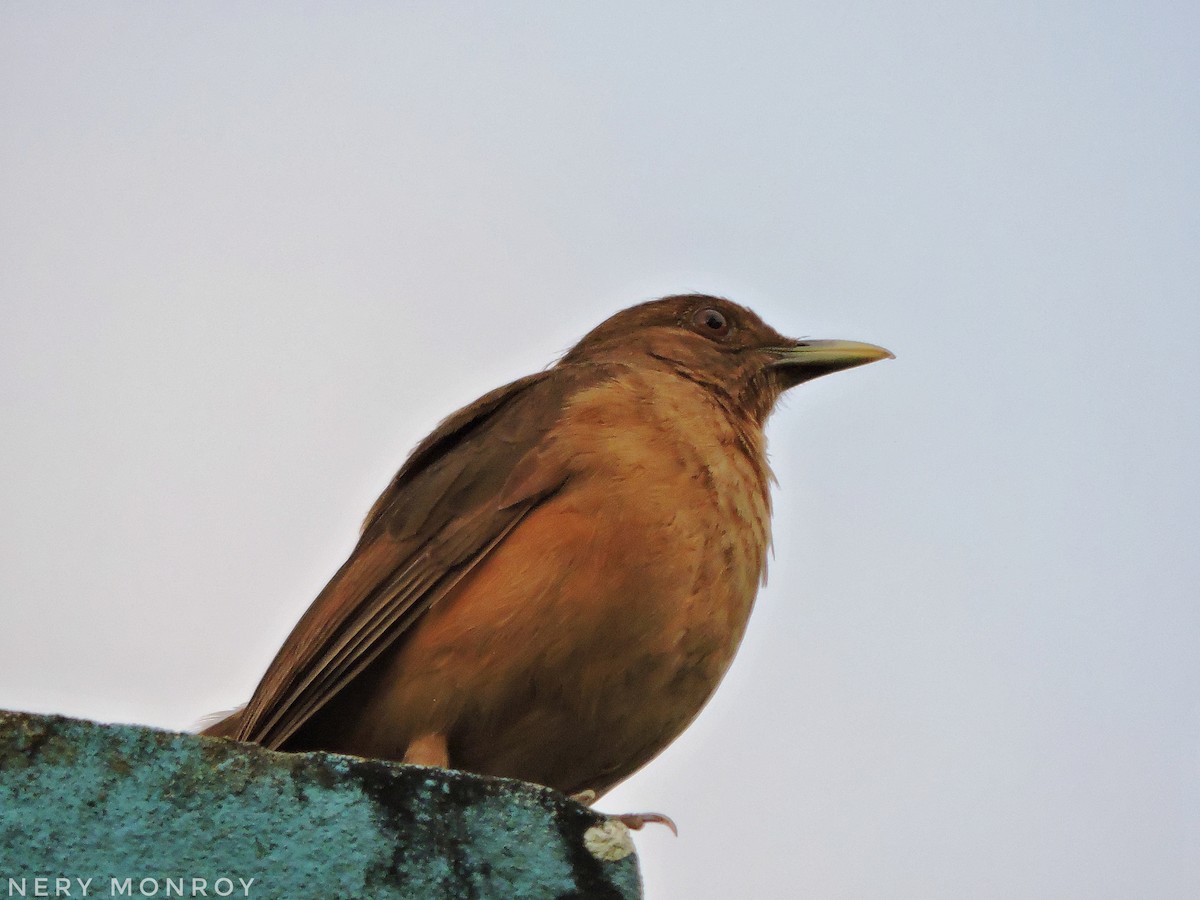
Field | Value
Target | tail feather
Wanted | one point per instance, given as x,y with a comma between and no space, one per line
222,724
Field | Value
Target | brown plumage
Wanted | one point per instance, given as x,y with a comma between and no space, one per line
559,576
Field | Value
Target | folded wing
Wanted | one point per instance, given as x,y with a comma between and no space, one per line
463,489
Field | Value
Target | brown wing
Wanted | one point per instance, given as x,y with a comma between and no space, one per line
461,491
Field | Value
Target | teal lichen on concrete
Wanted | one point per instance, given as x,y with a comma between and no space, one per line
151,813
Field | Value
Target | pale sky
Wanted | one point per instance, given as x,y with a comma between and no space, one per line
253,253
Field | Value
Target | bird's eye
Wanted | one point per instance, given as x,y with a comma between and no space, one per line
711,322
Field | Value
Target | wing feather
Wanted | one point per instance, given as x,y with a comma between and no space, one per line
450,505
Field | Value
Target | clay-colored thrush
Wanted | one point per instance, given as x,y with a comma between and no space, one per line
557,579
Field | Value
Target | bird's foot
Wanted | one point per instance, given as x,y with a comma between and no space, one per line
632,821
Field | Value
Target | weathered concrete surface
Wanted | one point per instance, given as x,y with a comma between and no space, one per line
80,800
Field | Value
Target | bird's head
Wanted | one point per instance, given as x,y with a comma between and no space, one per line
725,347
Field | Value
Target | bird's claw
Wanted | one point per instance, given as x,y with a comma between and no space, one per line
632,821
638,821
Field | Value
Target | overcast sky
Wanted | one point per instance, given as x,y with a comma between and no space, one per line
250,254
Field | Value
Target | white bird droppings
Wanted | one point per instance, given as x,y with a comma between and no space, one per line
608,841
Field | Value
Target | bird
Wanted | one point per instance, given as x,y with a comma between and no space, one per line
557,579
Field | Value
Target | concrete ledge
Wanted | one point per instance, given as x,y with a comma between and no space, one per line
144,813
